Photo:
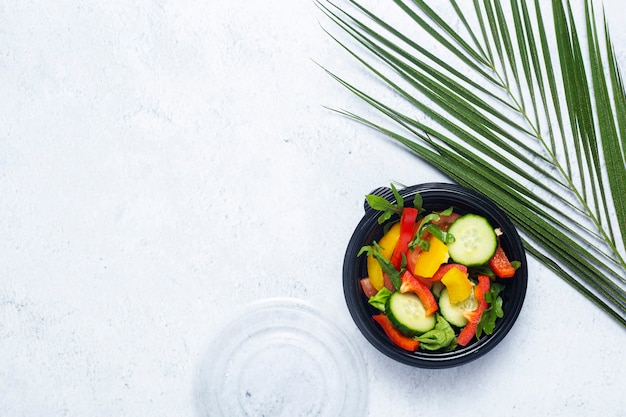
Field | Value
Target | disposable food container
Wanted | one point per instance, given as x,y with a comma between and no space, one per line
436,197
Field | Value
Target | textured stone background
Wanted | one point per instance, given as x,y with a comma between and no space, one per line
163,163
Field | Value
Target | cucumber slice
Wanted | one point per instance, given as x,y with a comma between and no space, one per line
454,313
475,241
407,313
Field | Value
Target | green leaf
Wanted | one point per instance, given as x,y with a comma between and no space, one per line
382,204
487,322
417,203
379,300
441,337
427,225
385,264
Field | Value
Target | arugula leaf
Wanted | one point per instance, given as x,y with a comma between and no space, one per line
397,196
488,319
442,336
474,271
388,209
365,249
385,264
379,300
380,203
417,203
435,230
439,233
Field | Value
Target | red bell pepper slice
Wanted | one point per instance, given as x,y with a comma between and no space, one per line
469,331
395,335
445,268
411,284
501,265
407,226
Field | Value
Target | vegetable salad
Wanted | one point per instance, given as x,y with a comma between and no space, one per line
432,276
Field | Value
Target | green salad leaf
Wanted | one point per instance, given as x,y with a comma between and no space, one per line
379,300
442,336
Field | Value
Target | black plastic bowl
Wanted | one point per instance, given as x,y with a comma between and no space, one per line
436,197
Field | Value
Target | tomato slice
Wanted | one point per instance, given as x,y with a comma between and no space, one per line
445,221
368,288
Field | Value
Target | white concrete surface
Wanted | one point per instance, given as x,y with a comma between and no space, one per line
163,163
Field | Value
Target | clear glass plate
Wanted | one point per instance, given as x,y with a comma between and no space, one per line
282,358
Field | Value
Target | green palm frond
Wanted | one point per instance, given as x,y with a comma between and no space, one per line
522,103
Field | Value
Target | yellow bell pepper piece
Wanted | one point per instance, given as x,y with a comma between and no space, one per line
428,262
458,284
388,244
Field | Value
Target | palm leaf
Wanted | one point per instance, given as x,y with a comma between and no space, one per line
493,107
